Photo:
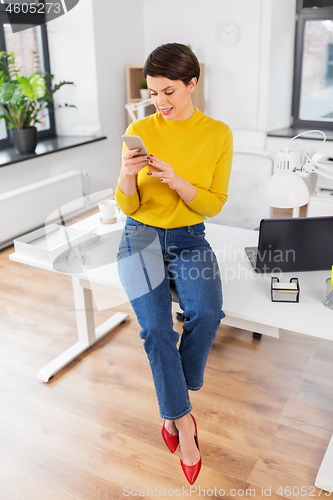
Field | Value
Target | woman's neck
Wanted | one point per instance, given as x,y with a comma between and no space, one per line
188,112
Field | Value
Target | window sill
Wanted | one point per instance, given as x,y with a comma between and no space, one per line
45,147
293,131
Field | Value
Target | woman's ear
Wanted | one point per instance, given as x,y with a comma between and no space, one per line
192,84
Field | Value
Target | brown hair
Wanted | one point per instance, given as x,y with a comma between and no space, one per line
174,61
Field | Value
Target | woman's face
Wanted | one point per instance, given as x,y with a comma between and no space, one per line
172,97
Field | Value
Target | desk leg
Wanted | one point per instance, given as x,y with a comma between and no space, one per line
324,479
87,332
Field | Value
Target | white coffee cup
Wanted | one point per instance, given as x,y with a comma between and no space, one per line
108,209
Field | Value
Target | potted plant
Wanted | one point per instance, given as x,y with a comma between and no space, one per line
22,98
144,92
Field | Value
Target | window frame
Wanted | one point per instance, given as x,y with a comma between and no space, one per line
34,20
303,15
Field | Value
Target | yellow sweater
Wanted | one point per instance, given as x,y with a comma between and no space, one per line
199,150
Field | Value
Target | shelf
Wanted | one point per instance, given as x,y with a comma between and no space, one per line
45,147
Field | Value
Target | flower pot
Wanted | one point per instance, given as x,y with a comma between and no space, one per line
24,140
144,93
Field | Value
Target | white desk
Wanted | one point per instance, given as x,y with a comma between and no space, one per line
247,302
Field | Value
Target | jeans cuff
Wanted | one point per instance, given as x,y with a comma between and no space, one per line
195,388
179,416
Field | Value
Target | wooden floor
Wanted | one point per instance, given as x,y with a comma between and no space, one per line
265,413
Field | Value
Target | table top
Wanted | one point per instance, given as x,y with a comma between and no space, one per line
246,293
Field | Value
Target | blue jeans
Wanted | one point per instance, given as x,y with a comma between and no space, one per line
149,258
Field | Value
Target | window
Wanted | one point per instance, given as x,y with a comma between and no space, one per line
27,34
313,75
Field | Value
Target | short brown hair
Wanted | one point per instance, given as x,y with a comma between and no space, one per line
174,61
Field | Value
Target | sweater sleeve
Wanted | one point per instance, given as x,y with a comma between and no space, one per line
210,202
127,204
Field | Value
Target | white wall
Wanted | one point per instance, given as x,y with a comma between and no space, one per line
119,38
232,73
72,49
241,79
281,65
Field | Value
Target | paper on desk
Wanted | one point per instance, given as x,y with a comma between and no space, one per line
285,286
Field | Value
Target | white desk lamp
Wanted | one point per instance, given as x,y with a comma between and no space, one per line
285,189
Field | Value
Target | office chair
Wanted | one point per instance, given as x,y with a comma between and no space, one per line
137,110
252,166
175,299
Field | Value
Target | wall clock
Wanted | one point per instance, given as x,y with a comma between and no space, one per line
228,33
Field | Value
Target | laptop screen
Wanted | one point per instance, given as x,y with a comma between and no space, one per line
297,244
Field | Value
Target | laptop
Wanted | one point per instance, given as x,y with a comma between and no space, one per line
291,245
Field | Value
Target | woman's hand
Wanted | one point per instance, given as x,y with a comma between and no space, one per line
130,168
165,172
131,165
167,175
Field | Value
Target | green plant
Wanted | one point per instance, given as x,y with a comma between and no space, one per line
143,84
23,97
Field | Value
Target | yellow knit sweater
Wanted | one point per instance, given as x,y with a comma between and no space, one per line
199,150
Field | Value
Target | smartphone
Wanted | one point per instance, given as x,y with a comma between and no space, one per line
135,142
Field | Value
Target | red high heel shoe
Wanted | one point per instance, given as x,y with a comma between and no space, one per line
192,471
170,440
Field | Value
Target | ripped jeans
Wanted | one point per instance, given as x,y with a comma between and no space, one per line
148,259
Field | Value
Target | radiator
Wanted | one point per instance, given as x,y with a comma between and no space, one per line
28,207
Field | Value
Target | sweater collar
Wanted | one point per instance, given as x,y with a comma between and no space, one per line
181,123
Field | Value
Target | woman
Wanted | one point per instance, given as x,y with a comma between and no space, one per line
166,196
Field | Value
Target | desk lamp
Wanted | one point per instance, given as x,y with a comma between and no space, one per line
285,189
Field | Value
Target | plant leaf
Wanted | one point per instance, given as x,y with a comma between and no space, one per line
6,92
33,88
5,117
17,97
38,85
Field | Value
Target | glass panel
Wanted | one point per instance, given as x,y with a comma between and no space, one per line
22,43
316,102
